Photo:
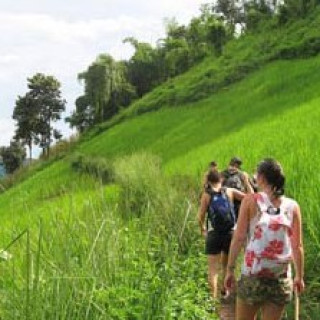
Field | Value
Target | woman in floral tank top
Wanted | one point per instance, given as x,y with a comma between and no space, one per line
270,225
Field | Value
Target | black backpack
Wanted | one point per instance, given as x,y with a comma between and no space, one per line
234,180
220,211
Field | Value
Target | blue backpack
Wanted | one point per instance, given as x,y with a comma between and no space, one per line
220,211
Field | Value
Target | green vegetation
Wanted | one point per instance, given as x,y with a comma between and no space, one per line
36,111
111,228
131,249
241,57
230,38
12,156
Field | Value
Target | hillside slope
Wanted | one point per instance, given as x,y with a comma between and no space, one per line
240,57
173,132
100,251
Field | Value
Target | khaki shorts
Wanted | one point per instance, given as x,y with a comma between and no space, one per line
257,290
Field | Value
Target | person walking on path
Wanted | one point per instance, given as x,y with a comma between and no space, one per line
216,220
213,166
234,178
271,223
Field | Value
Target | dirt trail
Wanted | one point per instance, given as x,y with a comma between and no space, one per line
227,311
227,308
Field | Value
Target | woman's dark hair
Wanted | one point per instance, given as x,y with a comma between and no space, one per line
273,173
236,161
213,176
213,164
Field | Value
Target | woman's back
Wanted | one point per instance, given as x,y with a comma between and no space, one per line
268,252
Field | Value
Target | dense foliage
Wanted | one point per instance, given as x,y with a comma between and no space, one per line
112,85
37,110
12,156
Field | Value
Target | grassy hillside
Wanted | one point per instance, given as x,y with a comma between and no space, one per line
129,248
171,133
240,57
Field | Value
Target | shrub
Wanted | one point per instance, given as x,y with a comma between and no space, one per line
148,194
98,167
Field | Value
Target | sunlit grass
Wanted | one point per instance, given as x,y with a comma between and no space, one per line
131,250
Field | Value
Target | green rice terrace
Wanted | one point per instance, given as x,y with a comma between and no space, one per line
110,227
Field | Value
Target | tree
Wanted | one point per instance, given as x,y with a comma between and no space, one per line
145,68
83,117
106,87
176,48
26,114
37,110
256,11
290,9
217,36
231,11
110,85
197,39
13,156
46,97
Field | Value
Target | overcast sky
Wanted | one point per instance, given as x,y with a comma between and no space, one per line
63,37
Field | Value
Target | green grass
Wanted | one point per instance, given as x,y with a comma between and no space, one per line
130,249
171,133
240,57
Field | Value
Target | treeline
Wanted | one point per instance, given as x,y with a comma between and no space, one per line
110,85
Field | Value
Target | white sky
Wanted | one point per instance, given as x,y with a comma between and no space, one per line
63,37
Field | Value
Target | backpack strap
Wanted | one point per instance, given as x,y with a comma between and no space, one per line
261,202
224,192
209,191
231,207
265,205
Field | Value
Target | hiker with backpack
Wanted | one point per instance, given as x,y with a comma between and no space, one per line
217,220
213,166
234,178
271,224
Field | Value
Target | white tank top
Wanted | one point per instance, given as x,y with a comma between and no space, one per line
268,252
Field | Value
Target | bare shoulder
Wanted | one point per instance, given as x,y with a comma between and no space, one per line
249,205
229,191
295,207
205,196
249,200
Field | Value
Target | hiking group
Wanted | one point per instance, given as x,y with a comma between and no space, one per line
237,212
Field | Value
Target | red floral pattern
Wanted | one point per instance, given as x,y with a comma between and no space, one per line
265,272
276,224
274,248
258,233
249,258
268,252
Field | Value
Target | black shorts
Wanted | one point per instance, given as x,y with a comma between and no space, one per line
218,242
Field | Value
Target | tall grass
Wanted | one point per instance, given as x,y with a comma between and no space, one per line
130,249
121,256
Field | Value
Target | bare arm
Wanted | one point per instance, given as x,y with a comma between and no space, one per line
204,203
247,183
238,239
238,195
205,180
297,249
240,233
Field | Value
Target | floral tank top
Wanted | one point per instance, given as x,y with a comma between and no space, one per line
268,252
